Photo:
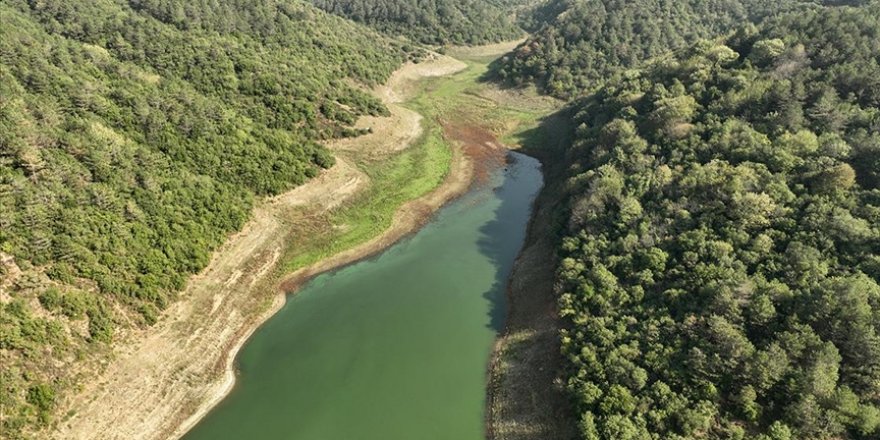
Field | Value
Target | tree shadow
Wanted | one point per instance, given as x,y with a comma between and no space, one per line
534,169
494,74
501,238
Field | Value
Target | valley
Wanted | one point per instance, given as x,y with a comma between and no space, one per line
384,185
440,219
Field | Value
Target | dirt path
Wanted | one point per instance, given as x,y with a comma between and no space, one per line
162,380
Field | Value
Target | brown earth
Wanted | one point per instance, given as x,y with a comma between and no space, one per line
162,380
485,51
480,145
526,399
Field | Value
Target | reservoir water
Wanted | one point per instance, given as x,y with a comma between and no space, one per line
394,347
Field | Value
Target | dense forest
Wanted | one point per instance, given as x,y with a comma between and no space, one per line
720,274
435,22
576,44
134,137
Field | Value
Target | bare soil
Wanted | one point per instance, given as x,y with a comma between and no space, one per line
485,51
478,144
162,380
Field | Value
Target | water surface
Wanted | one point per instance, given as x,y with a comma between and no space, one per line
394,347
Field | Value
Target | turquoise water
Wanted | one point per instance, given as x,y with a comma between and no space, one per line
394,347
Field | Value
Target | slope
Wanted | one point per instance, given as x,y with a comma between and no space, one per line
135,137
436,22
719,275
577,44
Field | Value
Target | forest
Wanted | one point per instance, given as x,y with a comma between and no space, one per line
719,266
134,138
575,45
719,277
433,22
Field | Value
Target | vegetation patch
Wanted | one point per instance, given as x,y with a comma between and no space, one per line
135,138
393,181
575,46
436,22
719,277
413,172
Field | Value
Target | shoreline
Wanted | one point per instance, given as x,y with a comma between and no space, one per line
408,219
180,369
524,397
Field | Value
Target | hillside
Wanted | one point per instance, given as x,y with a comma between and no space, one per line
577,44
707,240
134,138
719,275
436,22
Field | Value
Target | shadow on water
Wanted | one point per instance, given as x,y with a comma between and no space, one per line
380,348
542,153
501,238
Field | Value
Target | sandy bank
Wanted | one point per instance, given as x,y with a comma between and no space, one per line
164,379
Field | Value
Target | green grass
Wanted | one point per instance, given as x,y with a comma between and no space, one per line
461,97
415,171
407,176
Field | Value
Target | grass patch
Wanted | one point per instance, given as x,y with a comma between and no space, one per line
406,176
415,171
464,97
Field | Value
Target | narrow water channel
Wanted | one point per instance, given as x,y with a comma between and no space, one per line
394,347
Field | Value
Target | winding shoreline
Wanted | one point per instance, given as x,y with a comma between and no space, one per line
524,397
408,219
403,226
156,387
